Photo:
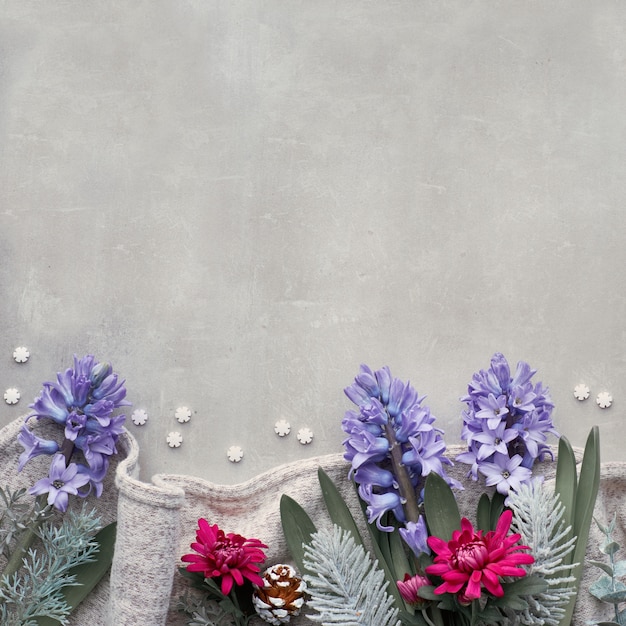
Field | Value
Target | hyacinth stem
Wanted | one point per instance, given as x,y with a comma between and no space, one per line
67,449
426,618
407,492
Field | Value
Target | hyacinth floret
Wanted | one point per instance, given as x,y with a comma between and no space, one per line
506,424
392,445
82,402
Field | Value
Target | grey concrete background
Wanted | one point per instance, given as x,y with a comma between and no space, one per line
237,203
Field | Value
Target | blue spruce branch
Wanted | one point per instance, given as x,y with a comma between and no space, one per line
347,588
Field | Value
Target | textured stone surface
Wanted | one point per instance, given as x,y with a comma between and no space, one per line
239,202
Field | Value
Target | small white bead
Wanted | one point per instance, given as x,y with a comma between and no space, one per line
139,417
282,428
581,392
21,354
12,396
183,414
234,454
604,399
305,436
174,439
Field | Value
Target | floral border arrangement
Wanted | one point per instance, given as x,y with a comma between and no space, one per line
519,561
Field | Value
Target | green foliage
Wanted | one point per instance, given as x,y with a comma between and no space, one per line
347,588
337,508
608,588
297,528
89,573
16,515
204,612
235,608
578,496
441,509
36,591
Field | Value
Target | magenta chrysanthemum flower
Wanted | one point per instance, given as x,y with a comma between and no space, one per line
231,557
470,561
410,586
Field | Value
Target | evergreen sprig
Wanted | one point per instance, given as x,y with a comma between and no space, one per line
37,589
538,518
17,514
347,588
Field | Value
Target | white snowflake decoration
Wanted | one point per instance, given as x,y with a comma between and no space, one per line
604,399
21,354
581,392
305,435
234,454
139,417
174,439
12,396
282,428
183,414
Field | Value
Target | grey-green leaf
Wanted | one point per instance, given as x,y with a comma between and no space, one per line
337,508
297,528
440,506
88,575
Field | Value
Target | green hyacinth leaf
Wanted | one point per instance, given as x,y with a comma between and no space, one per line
297,528
588,485
526,586
483,512
88,575
566,484
440,506
497,507
585,499
338,510
399,557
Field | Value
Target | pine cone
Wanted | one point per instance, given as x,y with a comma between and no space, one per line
281,596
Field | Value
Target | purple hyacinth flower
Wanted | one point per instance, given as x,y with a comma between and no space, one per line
492,409
391,445
33,446
500,370
379,504
61,482
365,447
500,405
494,440
74,425
50,404
82,400
415,535
373,475
505,473
522,399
